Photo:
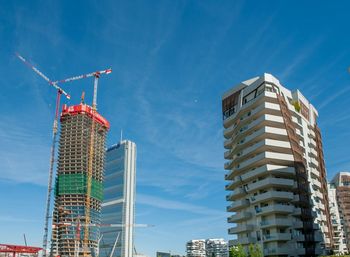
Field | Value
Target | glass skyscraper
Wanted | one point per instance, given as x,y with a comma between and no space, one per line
119,200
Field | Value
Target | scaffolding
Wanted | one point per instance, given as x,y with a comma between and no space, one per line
72,180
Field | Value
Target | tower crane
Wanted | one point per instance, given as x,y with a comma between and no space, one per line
96,76
60,91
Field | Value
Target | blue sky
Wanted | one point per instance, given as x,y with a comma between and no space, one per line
172,61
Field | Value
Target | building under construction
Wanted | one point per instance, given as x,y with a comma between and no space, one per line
79,188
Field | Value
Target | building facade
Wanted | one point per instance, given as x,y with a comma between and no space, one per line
119,200
162,254
341,183
81,158
339,238
195,248
216,248
275,170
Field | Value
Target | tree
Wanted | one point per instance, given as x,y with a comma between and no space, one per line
237,251
255,251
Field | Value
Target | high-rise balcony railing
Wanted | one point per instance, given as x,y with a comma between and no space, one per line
270,182
237,205
316,182
276,222
270,98
271,195
276,237
268,169
278,251
243,241
274,208
241,228
237,193
239,216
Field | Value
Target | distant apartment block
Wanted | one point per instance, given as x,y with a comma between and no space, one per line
339,238
216,248
207,248
275,168
341,183
162,254
119,200
195,248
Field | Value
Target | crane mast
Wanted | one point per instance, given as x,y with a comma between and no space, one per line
60,91
96,75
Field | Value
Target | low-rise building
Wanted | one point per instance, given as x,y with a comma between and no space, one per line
211,247
337,222
341,183
216,248
163,254
195,248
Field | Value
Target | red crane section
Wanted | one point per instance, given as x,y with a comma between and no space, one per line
83,108
14,249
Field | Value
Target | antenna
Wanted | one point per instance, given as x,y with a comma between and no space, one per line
25,239
121,135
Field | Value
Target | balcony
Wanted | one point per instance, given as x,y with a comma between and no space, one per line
276,222
262,146
296,212
318,236
299,251
228,143
316,182
311,133
313,163
240,228
258,122
312,143
318,194
267,107
296,198
313,153
277,251
237,193
228,165
299,238
243,241
276,208
228,155
259,134
268,169
270,195
270,182
233,183
265,158
298,224
237,205
315,172
239,216
277,237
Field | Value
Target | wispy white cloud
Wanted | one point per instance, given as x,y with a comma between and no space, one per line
315,80
162,203
330,98
301,56
24,153
4,218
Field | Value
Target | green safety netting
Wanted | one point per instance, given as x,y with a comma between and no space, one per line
76,184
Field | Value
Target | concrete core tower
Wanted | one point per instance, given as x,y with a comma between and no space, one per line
72,179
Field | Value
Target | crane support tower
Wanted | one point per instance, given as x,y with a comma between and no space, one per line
80,173
90,159
60,91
